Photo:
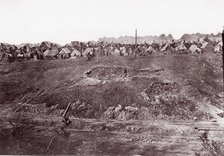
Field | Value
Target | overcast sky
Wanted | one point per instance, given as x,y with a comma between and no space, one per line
63,21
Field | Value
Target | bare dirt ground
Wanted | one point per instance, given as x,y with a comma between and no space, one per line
120,106
33,134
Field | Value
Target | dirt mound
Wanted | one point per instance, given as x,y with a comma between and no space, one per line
145,72
155,83
166,108
126,113
107,73
88,82
38,109
157,88
162,88
177,107
82,109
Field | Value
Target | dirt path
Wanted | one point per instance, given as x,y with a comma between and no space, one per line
102,137
213,110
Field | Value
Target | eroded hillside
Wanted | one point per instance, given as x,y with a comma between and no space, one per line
156,87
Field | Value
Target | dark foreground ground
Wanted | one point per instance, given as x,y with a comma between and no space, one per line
153,105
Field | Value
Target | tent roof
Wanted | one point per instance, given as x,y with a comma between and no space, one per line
88,50
52,52
165,47
65,51
181,47
204,45
150,48
194,47
219,44
76,53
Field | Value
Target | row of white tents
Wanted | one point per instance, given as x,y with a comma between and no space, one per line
195,48
47,50
66,53
142,49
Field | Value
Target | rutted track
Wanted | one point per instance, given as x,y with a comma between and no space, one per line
105,137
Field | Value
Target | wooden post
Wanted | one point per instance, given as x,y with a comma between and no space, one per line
223,56
66,115
136,42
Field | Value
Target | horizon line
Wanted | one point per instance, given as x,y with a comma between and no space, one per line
114,37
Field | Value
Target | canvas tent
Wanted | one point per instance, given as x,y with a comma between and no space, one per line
75,54
180,47
194,49
65,53
99,51
167,47
115,52
129,50
207,47
204,45
51,53
164,48
142,50
88,51
108,48
123,51
218,47
150,50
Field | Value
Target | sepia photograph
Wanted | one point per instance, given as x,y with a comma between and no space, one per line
112,77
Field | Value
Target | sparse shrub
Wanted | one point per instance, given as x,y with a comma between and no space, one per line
212,146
